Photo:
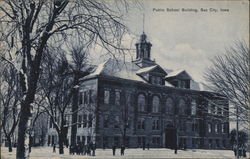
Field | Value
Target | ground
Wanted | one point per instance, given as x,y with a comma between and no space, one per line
46,153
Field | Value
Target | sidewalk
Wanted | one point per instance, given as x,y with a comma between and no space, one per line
47,153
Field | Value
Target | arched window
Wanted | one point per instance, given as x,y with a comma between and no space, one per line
141,103
169,106
193,107
156,104
182,107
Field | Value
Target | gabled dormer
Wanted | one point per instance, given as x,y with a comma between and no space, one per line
153,74
179,79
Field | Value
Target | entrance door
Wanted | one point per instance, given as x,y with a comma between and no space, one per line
170,138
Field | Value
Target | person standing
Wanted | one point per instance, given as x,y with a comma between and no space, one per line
175,150
113,148
54,148
122,150
93,149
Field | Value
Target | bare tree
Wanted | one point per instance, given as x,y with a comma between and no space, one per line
28,26
78,68
229,76
10,100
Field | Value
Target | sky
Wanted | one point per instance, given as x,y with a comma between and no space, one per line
187,34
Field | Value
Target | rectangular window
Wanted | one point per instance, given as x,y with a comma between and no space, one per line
117,97
209,108
140,123
105,121
84,120
80,97
79,121
78,139
90,120
50,123
106,96
216,128
155,125
90,96
209,127
85,97
83,139
116,124
116,140
215,110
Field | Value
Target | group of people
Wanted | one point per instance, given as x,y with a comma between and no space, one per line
122,150
241,150
81,149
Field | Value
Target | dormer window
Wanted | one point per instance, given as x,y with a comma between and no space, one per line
156,80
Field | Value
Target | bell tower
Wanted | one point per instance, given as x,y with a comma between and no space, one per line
143,52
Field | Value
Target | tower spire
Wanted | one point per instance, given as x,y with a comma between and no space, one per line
143,22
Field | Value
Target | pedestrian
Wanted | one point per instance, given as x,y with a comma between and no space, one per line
175,150
54,148
244,152
93,149
104,146
148,145
122,150
113,148
240,151
143,146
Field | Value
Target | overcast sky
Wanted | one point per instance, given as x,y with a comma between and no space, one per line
188,39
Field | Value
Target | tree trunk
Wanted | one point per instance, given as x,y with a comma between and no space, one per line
23,135
74,110
61,141
9,143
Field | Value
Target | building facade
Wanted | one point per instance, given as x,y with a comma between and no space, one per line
140,104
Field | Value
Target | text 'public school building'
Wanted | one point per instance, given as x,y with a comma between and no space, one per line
139,103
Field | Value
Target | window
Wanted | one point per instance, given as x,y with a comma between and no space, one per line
141,140
83,139
80,97
182,126
216,128
141,103
50,123
90,96
105,121
84,121
215,110
195,126
193,107
78,139
209,108
169,106
156,104
156,140
209,126
85,97
140,123
79,121
90,120
116,125
155,125
117,97
128,98
106,96
116,140
217,142
182,107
